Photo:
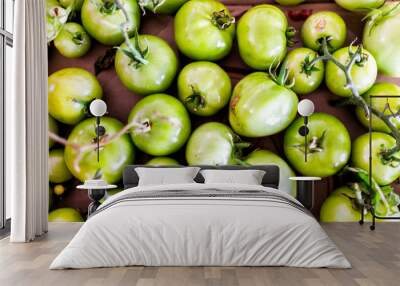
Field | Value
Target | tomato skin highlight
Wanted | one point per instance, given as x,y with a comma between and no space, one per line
197,37
331,150
324,24
363,75
261,35
103,23
153,77
204,82
260,107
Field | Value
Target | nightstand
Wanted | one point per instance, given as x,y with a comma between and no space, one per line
305,190
96,191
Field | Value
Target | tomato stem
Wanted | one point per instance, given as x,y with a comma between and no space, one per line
222,19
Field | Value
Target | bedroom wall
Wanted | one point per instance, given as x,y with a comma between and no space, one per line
120,100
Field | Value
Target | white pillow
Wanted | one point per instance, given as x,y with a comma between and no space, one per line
247,177
166,176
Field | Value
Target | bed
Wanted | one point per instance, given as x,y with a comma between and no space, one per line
201,224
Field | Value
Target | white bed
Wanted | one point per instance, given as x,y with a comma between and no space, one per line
201,225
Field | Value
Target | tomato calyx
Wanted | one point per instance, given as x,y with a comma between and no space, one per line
196,100
281,78
151,5
107,7
290,34
307,67
238,147
77,38
361,58
314,145
135,52
390,160
222,20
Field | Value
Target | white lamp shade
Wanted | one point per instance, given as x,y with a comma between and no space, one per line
305,107
98,107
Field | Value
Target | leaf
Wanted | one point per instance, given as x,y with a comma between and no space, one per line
105,62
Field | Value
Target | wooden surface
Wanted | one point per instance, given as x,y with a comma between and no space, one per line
375,257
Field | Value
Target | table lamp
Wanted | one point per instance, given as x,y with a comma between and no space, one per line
98,108
305,109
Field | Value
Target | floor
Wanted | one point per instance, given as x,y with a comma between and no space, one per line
375,257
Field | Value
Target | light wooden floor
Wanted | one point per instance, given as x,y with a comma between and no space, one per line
375,257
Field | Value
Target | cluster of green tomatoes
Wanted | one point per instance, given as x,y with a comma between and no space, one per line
261,104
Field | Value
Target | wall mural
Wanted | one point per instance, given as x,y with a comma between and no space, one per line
185,88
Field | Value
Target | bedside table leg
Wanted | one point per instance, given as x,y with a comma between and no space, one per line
305,193
95,196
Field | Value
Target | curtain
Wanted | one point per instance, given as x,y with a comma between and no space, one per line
26,124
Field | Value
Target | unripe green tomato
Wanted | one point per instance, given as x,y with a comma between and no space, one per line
305,81
58,171
152,77
162,161
204,88
324,24
381,89
289,2
70,91
162,124
363,74
72,41
383,172
65,215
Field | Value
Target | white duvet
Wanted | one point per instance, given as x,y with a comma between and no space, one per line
203,231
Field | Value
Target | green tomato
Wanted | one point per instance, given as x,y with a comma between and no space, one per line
70,91
328,146
75,4
383,172
360,5
289,2
72,41
260,107
114,156
162,161
363,73
56,17
212,143
306,80
65,215
204,88
162,6
381,89
53,127
262,38
324,24
340,207
103,19
204,30
154,76
162,124
266,157
382,38
58,171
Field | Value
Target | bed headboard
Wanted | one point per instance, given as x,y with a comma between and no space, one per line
271,178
